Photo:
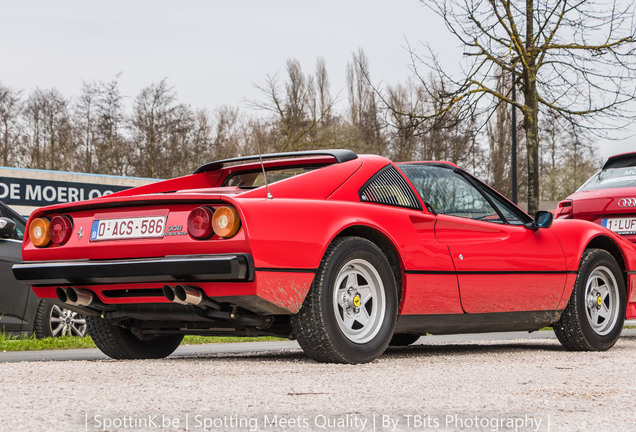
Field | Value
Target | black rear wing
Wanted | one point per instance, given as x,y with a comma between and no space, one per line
621,161
339,155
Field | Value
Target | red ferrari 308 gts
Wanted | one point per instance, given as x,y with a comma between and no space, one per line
608,198
347,254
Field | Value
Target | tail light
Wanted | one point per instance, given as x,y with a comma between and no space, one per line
60,229
39,232
226,222
564,210
200,223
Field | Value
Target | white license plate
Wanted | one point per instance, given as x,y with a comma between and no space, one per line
620,225
128,228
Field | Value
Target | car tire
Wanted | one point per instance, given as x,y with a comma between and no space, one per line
594,317
350,311
121,344
403,339
52,320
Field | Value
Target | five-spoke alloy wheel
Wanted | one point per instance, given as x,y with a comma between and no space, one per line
350,311
602,297
359,301
593,319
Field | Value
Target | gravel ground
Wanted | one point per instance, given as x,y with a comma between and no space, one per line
524,385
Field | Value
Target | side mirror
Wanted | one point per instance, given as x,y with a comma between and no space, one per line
7,228
543,219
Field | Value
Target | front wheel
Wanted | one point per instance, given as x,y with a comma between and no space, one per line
594,317
350,311
121,344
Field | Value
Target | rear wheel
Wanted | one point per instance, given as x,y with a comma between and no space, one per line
594,317
350,311
120,343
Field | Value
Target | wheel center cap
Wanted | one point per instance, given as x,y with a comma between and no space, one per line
356,300
599,300
67,320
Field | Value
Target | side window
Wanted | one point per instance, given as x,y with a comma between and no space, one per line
511,217
388,187
449,193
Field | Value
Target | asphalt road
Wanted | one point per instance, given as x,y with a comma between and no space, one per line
185,351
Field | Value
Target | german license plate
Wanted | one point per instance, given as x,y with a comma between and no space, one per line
128,228
622,226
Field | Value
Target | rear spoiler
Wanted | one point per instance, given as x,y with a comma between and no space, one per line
621,161
339,155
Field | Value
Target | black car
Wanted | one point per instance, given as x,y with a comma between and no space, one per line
21,311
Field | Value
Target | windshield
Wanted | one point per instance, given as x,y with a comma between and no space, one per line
611,178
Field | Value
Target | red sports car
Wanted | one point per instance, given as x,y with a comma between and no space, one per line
348,254
608,198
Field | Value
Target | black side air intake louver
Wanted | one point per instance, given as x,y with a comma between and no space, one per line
389,187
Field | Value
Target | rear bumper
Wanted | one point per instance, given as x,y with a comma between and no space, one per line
208,268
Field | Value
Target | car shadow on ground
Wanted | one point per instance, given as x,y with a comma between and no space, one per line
287,351
392,353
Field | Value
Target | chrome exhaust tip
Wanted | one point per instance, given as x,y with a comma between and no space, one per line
61,294
188,295
169,292
78,297
194,296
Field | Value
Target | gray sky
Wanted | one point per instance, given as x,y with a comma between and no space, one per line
213,52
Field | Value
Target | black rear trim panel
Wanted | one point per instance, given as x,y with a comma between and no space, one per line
209,268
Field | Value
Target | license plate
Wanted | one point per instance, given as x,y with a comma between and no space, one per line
128,228
622,226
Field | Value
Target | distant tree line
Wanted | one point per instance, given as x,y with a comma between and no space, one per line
154,135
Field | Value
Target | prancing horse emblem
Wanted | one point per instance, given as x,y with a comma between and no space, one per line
80,233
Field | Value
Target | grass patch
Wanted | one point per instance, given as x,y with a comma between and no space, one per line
198,340
12,343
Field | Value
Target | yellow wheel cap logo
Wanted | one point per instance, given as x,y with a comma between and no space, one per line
599,300
356,301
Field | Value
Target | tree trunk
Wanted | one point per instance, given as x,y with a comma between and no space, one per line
531,110
531,126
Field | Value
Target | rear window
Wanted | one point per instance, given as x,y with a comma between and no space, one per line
610,179
254,179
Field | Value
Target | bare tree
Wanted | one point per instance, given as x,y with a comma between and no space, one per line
364,113
228,133
567,159
152,114
301,109
49,139
10,109
112,147
574,58
402,134
84,119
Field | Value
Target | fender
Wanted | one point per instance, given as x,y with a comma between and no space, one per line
574,244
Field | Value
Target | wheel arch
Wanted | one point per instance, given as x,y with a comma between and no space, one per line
383,243
608,245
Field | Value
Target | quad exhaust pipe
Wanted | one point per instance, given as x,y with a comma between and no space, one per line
189,295
76,296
